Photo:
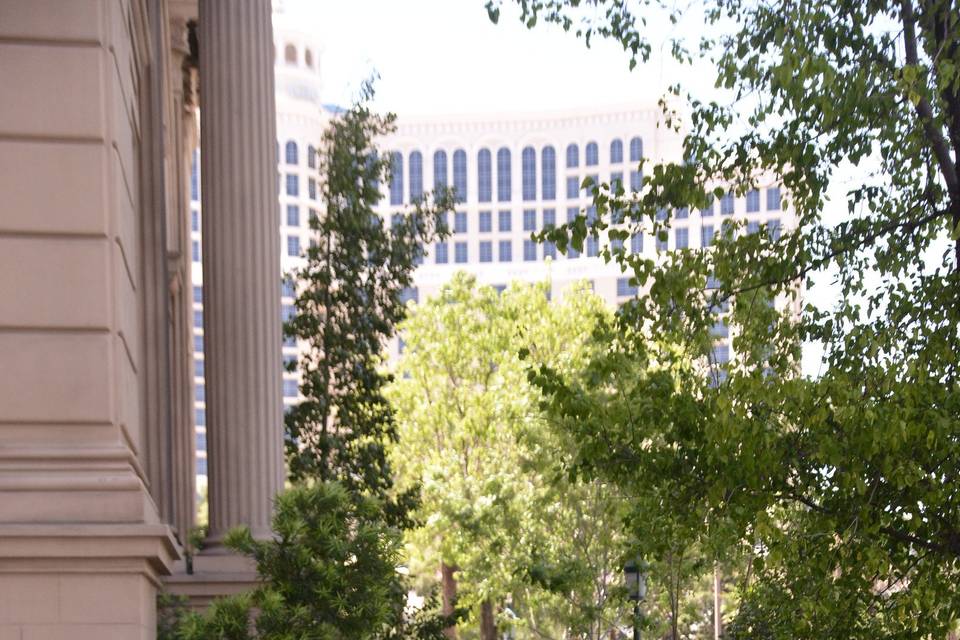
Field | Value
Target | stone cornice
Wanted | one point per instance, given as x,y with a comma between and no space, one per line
285,117
523,122
34,545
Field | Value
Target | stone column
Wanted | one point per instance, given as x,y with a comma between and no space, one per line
183,136
154,183
241,264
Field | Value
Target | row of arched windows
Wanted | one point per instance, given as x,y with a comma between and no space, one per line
592,152
528,170
291,154
291,56
485,169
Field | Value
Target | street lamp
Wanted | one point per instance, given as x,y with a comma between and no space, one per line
635,576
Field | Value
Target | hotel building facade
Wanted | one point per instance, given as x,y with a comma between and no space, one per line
515,174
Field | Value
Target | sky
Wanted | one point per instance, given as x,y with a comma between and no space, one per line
447,57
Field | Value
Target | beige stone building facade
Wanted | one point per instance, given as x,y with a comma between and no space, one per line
98,117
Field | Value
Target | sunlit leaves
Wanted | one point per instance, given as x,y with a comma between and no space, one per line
498,501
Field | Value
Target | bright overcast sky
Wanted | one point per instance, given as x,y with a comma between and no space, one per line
445,56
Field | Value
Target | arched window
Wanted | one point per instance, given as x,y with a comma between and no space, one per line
636,149
308,58
440,169
460,174
727,204
416,175
592,154
503,175
312,157
396,178
290,54
195,178
290,151
573,156
484,176
528,173
548,171
616,151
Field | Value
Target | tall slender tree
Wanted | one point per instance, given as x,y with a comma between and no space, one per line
349,301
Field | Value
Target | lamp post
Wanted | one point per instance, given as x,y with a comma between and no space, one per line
635,575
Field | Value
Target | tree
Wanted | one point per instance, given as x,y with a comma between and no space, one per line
332,570
571,567
841,487
330,573
516,534
348,305
349,301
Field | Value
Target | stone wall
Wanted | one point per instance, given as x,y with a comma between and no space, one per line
82,541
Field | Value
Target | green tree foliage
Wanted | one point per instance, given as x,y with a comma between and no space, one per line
541,546
171,611
842,489
348,304
329,573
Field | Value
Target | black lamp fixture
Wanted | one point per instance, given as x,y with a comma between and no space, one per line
635,574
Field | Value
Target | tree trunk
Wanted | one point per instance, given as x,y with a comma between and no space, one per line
675,597
449,596
488,626
717,596
674,622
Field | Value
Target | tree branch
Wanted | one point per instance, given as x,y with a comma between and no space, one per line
934,136
907,226
950,547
